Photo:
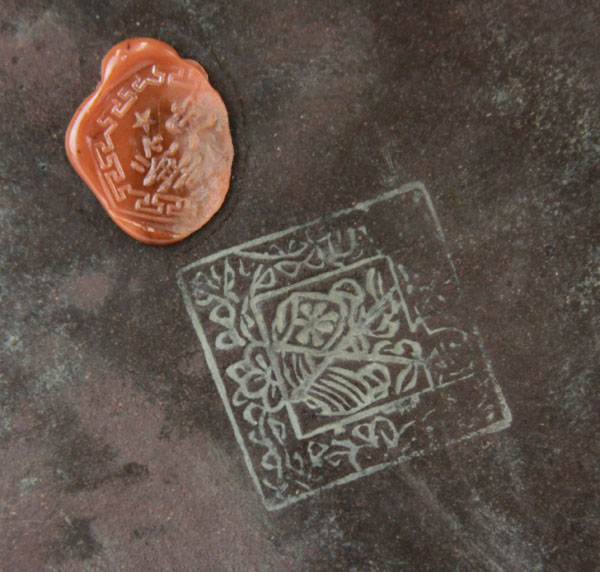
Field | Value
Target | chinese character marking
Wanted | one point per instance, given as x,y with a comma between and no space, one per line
163,167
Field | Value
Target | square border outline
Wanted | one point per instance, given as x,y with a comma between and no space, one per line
387,405
415,186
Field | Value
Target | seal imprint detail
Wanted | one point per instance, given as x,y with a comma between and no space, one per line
153,142
342,346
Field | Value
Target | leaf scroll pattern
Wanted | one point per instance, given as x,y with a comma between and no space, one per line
335,354
337,351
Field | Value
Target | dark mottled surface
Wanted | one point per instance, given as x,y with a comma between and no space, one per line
116,452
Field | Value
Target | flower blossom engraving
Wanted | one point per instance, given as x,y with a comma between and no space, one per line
336,358
315,322
255,378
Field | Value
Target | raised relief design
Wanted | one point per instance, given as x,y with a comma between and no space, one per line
158,146
337,355
175,177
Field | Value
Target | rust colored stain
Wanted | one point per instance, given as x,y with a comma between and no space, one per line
153,142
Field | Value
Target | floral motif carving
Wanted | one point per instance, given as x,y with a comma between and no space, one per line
332,355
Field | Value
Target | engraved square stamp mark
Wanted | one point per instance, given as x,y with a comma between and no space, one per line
342,346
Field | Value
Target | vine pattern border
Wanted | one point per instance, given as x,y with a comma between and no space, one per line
321,347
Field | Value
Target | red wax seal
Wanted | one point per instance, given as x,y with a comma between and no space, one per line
153,142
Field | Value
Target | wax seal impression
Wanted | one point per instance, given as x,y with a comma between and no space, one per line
153,142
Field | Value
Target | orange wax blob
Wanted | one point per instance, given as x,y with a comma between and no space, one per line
153,142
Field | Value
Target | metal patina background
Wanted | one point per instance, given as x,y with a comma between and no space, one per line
128,435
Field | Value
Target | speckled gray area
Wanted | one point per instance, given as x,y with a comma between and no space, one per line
115,447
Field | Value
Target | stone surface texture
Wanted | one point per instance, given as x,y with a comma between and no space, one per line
116,449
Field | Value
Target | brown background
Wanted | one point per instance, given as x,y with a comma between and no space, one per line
116,453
